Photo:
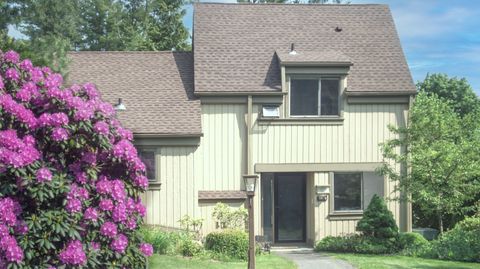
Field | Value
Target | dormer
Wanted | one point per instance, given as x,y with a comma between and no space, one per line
313,83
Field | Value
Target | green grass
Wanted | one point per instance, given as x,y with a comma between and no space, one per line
361,261
263,262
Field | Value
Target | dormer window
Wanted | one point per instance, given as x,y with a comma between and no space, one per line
314,97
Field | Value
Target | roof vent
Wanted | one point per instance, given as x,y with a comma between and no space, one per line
338,29
292,50
120,105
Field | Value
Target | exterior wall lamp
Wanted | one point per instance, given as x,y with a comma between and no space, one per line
250,186
322,192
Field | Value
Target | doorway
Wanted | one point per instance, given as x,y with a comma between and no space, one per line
284,207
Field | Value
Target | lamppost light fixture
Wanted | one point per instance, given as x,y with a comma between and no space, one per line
250,184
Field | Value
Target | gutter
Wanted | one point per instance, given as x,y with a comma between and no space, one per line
154,135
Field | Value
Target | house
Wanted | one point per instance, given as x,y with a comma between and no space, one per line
299,95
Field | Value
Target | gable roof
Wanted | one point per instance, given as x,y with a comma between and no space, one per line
156,88
235,45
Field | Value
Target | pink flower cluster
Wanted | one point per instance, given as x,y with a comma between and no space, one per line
17,152
73,254
66,137
10,211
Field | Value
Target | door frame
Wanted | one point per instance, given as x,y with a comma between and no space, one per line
303,177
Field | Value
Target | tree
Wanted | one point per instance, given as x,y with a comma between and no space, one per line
52,18
458,91
70,177
441,151
377,220
163,26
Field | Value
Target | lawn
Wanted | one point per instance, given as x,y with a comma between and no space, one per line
263,262
401,262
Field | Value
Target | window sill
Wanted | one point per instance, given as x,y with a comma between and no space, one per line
345,215
154,185
301,121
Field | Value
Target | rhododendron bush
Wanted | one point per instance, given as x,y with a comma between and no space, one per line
70,178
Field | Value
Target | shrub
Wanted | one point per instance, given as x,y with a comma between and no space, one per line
191,225
189,247
70,178
462,243
414,244
377,220
163,242
229,218
231,243
357,244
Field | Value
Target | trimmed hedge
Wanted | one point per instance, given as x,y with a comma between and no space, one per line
357,244
414,244
230,243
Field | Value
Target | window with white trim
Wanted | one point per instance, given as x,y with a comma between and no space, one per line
148,158
314,97
347,192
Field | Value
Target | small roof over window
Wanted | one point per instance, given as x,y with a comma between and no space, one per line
318,58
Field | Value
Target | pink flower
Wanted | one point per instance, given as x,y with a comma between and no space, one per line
146,249
106,205
119,244
73,253
141,181
2,85
90,90
26,65
53,80
59,134
12,74
119,213
91,214
73,205
11,56
118,190
103,186
108,229
58,119
102,128
43,174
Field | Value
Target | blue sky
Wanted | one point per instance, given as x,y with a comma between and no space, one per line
438,36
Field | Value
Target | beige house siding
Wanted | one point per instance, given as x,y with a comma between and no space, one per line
219,162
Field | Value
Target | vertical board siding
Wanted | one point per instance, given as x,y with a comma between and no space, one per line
218,163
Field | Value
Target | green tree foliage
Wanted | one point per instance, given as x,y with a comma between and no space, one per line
377,220
55,27
458,91
441,152
164,28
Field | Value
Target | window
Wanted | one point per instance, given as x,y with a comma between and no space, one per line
148,158
347,192
314,97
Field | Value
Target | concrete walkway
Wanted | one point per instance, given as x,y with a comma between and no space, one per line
308,259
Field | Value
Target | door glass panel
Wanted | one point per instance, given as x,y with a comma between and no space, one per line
290,207
267,204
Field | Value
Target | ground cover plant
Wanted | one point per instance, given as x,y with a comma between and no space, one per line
70,178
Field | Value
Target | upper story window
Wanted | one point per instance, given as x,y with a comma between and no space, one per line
314,97
148,158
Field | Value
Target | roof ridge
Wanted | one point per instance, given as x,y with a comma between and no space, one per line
282,4
126,52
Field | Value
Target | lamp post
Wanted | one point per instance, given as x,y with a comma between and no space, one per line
250,185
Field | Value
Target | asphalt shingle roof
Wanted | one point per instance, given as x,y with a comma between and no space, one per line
156,88
235,44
